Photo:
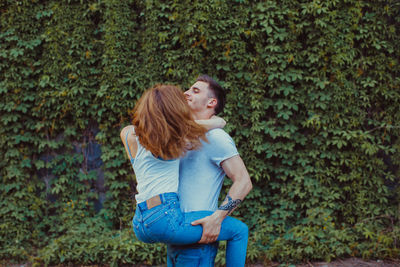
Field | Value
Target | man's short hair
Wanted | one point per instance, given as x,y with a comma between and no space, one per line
217,91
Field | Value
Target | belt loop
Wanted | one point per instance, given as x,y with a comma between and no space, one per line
162,198
142,206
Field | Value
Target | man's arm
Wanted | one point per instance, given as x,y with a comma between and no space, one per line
237,172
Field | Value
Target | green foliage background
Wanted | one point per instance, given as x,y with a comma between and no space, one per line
313,106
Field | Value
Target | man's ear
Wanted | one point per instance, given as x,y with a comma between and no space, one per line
212,103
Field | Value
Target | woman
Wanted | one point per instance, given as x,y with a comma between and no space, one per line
163,130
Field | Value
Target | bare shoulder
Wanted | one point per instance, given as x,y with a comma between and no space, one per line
128,138
125,131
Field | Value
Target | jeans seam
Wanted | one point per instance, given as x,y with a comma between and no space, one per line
146,235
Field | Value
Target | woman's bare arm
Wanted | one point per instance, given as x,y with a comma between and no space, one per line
128,130
212,123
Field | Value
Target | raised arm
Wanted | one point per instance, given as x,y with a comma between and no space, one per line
237,172
212,123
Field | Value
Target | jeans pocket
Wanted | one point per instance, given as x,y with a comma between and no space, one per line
137,229
156,225
153,215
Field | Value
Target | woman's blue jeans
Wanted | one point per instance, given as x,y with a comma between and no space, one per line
166,223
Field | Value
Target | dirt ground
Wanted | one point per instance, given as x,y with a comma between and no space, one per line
351,262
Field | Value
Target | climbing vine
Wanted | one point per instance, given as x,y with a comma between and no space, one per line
313,106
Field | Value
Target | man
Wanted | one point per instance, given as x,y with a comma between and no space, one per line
201,178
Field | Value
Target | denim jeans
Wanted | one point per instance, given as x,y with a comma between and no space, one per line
166,223
194,255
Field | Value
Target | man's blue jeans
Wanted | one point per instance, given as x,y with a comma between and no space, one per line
166,223
195,255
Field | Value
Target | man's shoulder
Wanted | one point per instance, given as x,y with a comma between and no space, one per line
218,138
218,134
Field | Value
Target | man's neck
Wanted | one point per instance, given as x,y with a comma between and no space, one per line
203,115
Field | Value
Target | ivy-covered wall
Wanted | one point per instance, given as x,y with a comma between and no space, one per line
313,105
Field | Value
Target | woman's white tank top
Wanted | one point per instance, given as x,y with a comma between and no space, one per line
153,175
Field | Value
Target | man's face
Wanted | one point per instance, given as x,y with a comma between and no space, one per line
199,97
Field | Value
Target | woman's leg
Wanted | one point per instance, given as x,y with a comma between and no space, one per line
167,224
184,232
232,230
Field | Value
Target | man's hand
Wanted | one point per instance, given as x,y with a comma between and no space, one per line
211,227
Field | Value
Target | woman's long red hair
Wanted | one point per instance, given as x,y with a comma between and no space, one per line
164,124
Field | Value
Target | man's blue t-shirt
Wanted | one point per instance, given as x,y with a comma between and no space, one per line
200,172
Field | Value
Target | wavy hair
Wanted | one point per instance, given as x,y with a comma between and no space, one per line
164,124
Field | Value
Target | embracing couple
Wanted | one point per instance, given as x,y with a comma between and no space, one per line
180,156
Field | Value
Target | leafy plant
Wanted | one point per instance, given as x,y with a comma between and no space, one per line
313,106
